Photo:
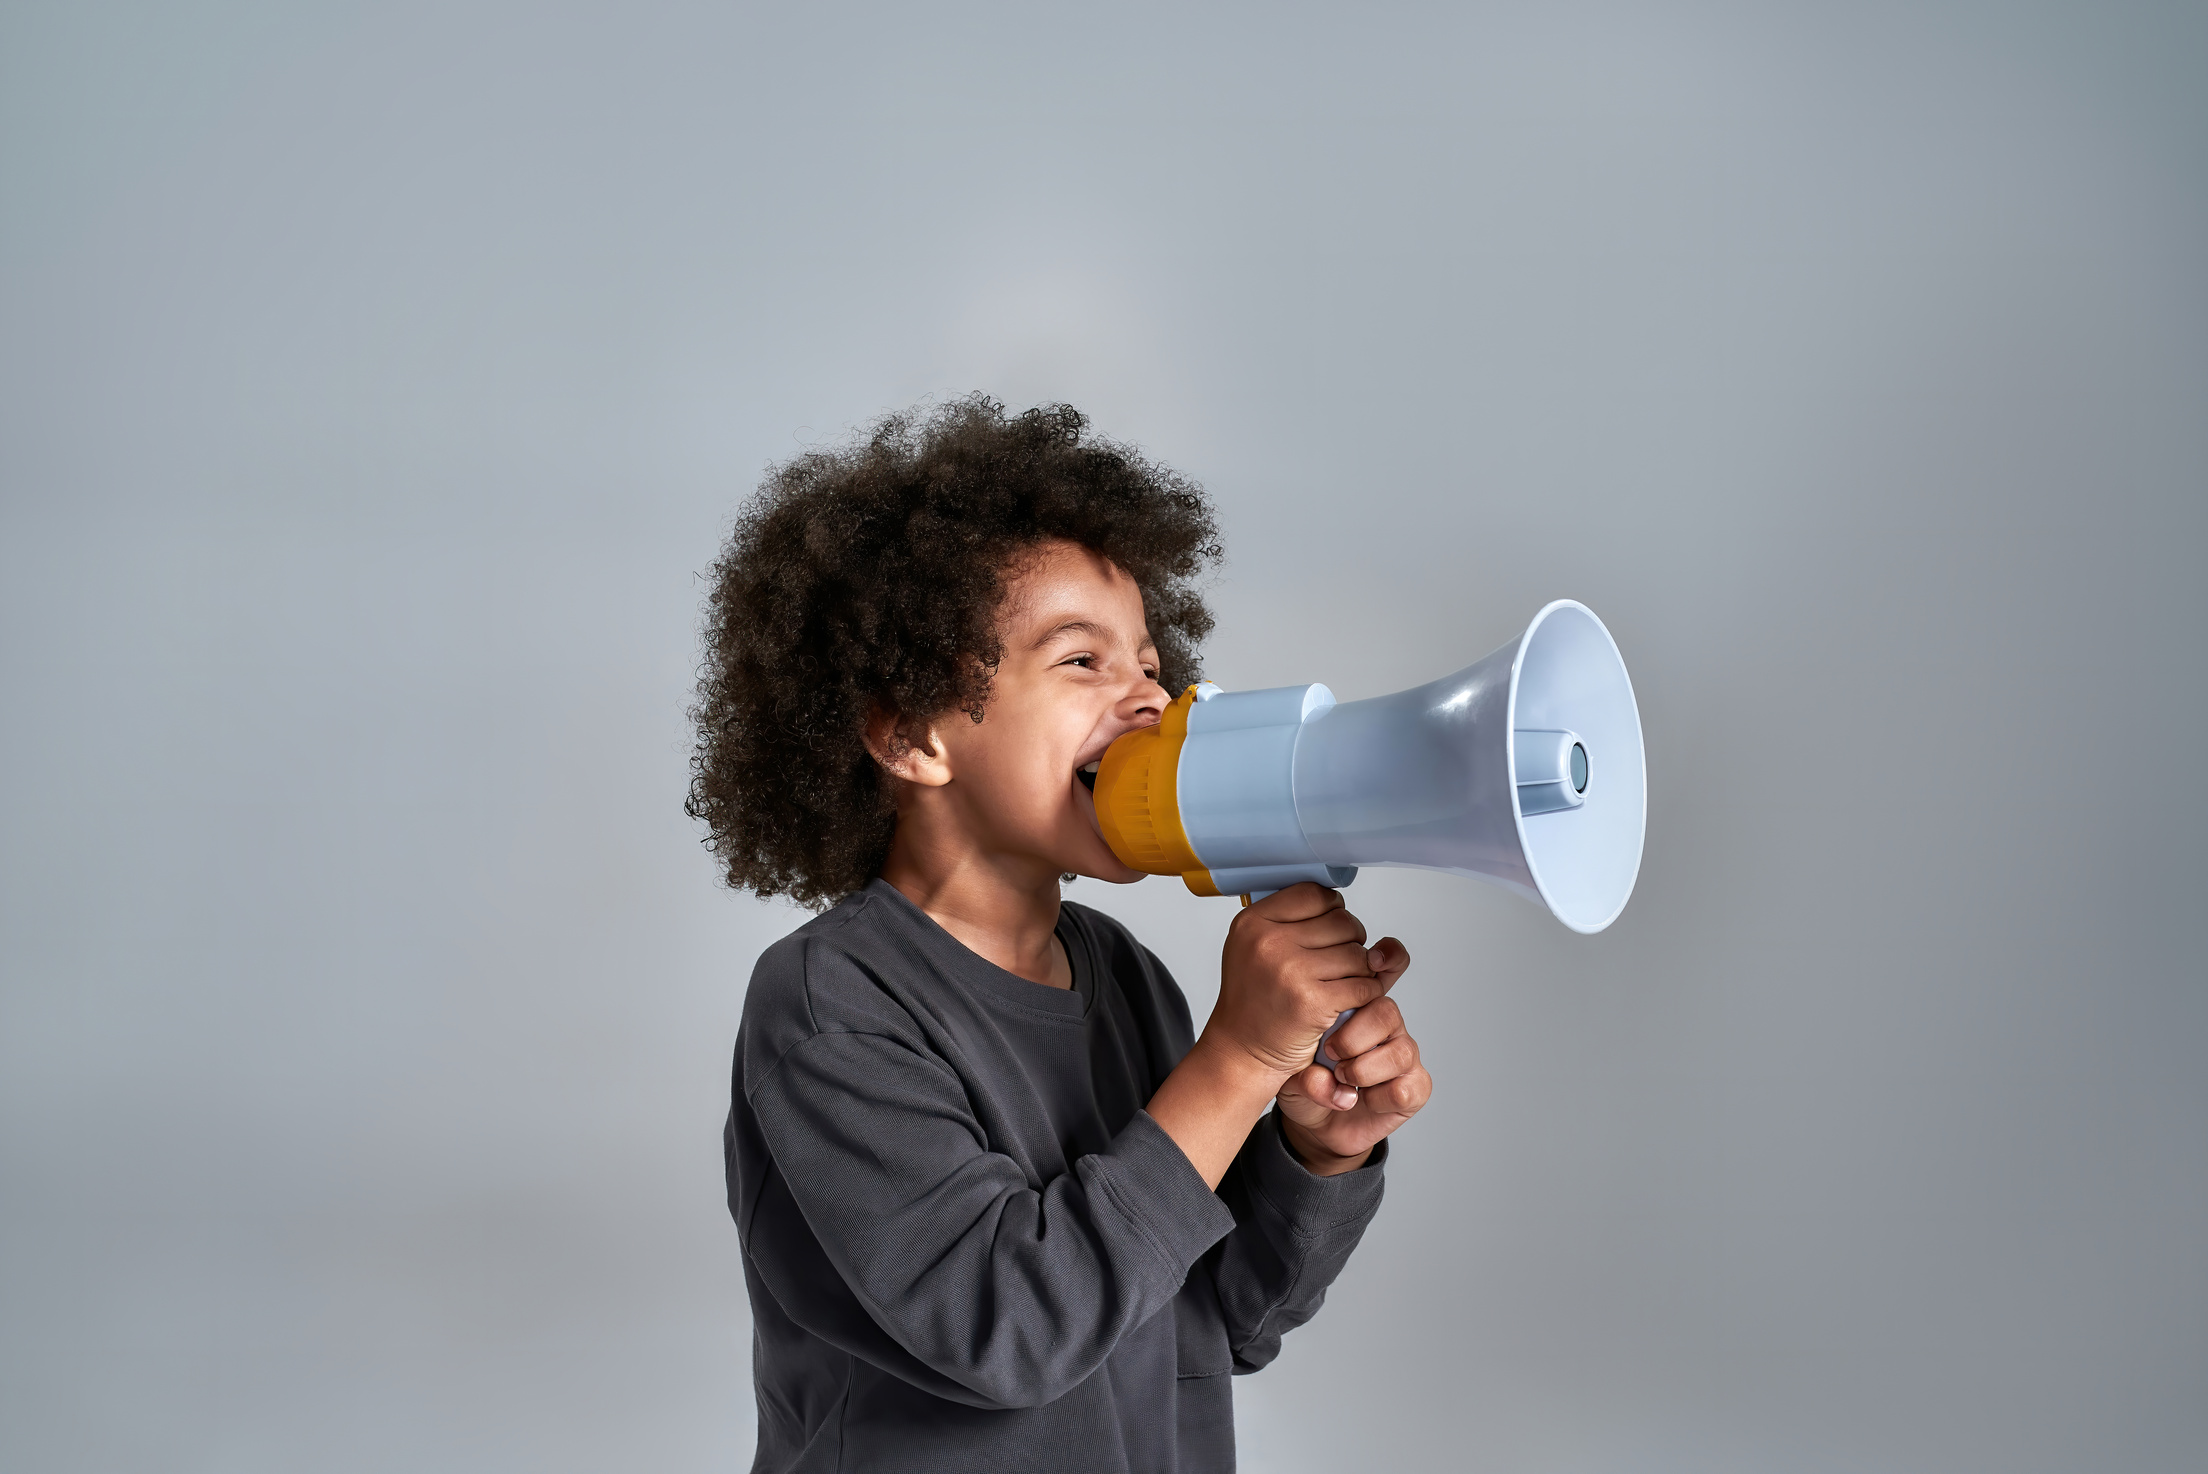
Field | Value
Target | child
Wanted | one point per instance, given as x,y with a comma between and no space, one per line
999,1208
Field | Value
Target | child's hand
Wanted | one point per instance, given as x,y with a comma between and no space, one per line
1293,962
1333,1119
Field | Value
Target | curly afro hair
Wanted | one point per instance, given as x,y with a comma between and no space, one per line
870,577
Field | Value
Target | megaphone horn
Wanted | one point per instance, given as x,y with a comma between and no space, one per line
1523,769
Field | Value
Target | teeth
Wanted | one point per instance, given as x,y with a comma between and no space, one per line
1092,767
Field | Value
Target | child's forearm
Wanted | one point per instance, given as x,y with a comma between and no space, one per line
1210,1102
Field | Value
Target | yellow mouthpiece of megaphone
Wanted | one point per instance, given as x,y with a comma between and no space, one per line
1138,803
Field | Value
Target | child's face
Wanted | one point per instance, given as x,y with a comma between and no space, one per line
1079,670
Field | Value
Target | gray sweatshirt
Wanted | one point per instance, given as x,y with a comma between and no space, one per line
967,1245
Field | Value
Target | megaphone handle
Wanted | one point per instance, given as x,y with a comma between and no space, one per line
1323,1057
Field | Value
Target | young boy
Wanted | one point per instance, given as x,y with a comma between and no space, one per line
1000,1208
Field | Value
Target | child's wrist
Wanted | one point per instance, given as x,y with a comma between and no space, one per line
1314,1155
1240,1068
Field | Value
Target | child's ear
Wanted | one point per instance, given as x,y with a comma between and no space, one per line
912,751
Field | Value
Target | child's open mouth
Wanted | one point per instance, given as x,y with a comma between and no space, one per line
1087,775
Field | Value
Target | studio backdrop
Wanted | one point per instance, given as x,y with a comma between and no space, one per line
377,380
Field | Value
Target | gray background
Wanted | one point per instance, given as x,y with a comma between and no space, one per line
378,378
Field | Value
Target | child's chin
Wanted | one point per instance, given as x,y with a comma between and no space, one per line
1118,875
1103,866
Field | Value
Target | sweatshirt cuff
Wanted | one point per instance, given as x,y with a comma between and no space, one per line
1155,1185
1311,1204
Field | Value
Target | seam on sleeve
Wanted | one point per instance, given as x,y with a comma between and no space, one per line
812,932
805,972
772,1070
1333,1226
1306,1235
1127,1210
843,1410
812,1017
1257,1329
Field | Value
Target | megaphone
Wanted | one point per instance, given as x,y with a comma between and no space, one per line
1523,769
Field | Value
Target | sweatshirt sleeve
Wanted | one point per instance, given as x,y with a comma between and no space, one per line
1293,1233
1011,1293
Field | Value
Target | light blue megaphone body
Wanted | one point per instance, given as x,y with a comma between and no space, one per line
1524,769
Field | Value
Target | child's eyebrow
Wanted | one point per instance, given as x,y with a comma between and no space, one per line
1072,627
1086,627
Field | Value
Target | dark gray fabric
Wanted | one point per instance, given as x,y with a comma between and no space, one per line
968,1247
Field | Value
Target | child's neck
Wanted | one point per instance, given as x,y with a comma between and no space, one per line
1010,919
